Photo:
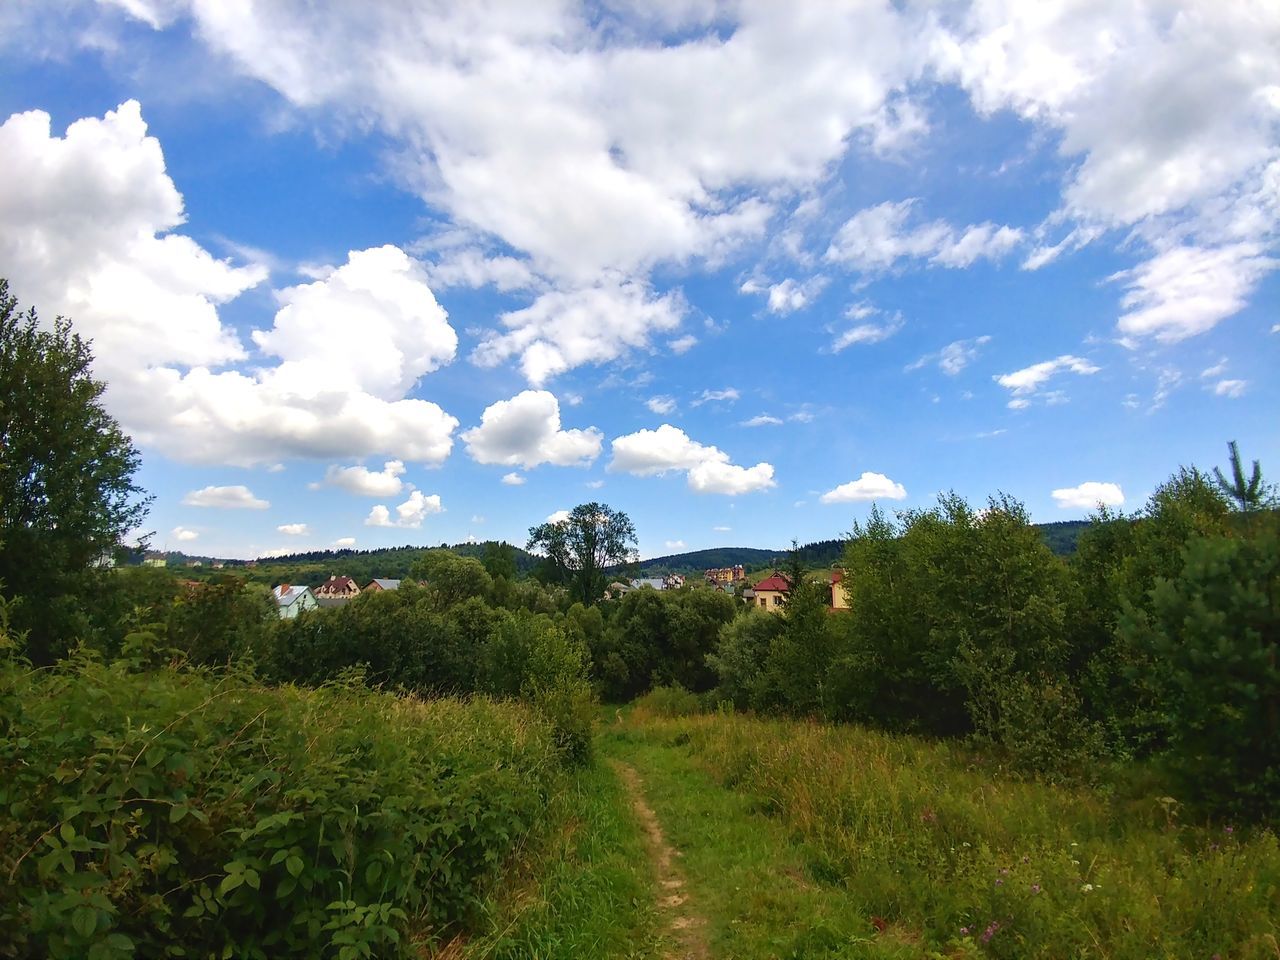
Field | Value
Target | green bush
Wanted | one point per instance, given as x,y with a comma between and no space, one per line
1215,628
671,701
174,813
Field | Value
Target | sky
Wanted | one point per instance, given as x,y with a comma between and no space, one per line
384,273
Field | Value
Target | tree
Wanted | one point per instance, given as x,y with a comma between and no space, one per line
67,495
1248,495
582,546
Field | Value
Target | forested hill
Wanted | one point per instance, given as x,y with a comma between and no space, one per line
1059,537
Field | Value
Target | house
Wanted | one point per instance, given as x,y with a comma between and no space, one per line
656,582
336,588
839,591
292,600
377,585
771,592
155,561
672,581
729,575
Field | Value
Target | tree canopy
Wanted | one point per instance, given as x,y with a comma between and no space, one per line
67,495
582,546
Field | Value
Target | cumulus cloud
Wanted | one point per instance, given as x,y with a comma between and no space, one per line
183,534
525,432
954,357
1089,495
674,544
763,420
560,516
237,497
294,529
1026,383
513,479
789,295
563,329
1230,388
869,486
669,449
345,543
89,220
409,514
878,237
661,405
683,344
364,482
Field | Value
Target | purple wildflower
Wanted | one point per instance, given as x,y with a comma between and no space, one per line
964,931
1035,888
990,932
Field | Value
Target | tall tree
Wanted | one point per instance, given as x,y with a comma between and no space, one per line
67,495
583,545
1248,495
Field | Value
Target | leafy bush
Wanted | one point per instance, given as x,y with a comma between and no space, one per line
1215,628
672,701
193,814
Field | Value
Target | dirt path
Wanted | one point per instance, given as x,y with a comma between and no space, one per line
685,925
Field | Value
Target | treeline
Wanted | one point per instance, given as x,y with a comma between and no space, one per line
1156,640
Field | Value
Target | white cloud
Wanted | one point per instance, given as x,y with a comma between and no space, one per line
513,479
868,332
763,420
409,514
878,237
1186,290
525,432
661,405
294,529
722,529
1089,495
183,534
345,543
791,295
1230,388
869,486
88,220
1216,370
683,344
563,329
729,394
594,484
560,516
364,482
236,497
954,357
1166,118
667,449
674,544
730,479
1026,382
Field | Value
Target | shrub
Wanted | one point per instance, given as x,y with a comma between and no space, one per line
671,701
140,812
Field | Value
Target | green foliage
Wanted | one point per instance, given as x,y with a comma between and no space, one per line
940,845
67,495
669,701
1247,495
740,655
176,813
1215,628
656,637
581,548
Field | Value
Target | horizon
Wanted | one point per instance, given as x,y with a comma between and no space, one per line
738,271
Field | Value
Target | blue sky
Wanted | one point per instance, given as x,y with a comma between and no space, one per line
380,276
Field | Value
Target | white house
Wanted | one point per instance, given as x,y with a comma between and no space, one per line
291,600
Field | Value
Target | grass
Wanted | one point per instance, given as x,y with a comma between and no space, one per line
809,840
586,891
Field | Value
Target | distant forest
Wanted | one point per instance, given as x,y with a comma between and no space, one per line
312,566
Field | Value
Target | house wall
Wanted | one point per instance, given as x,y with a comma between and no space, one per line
769,599
840,597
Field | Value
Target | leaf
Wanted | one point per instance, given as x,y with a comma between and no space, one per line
67,832
84,921
294,865
177,812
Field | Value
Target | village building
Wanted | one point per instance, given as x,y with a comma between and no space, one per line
336,588
839,591
378,584
722,575
292,600
771,592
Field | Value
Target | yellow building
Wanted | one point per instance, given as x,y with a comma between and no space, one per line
771,592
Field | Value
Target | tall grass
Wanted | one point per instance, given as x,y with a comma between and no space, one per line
935,842
198,814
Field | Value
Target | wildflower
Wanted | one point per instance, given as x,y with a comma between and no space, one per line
1004,871
990,932
1074,844
1035,888
1228,830
999,882
964,931
1087,888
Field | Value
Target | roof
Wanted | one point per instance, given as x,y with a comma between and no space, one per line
776,582
837,576
338,585
385,584
655,582
286,595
